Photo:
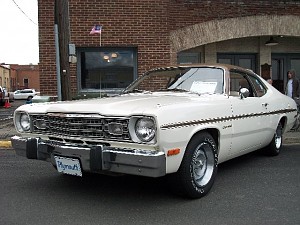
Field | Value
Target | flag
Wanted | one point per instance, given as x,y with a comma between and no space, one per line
96,29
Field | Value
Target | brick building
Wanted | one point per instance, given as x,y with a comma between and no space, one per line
24,76
141,34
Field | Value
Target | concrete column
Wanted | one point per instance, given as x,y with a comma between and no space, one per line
264,53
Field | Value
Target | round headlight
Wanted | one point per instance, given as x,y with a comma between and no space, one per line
25,122
145,129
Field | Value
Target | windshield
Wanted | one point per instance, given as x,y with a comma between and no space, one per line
199,80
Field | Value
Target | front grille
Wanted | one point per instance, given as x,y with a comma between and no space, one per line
80,126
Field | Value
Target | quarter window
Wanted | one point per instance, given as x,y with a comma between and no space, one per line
258,86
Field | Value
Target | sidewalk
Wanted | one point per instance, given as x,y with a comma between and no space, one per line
291,137
8,130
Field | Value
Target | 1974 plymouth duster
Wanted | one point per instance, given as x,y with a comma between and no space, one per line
179,121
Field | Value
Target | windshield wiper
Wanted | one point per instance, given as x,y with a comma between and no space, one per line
138,91
176,90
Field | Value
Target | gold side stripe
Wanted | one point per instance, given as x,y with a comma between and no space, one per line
223,119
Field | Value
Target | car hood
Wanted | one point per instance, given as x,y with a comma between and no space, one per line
128,104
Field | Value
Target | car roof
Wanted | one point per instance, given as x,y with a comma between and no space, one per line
27,89
212,65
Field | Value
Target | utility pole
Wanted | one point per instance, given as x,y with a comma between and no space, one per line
63,27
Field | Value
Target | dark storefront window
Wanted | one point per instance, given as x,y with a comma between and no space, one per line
188,58
243,60
108,70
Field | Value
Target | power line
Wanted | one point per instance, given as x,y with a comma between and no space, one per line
24,12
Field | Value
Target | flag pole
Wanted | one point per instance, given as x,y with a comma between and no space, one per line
100,38
100,73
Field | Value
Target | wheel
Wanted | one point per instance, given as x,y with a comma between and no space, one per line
275,145
198,168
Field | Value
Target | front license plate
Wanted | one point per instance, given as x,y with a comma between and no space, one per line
68,165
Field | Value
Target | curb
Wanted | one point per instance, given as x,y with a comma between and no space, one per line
5,144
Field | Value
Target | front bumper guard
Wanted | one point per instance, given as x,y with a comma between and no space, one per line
95,159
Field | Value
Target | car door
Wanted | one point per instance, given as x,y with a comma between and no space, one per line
22,94
249,120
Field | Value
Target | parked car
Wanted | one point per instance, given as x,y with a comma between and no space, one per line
25,93
179,121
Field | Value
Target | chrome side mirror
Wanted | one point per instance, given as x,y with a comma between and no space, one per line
244,93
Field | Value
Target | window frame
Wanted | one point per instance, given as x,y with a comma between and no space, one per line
80,50
249,78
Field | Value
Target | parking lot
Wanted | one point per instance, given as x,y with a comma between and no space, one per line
252,189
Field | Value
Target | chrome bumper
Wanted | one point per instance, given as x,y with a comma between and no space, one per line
96,159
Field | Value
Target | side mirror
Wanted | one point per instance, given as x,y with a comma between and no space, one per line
244,93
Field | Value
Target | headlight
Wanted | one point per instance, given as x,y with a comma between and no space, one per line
145,129
23,122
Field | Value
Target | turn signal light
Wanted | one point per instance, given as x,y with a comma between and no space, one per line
175,151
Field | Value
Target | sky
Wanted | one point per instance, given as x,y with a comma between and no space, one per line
19,32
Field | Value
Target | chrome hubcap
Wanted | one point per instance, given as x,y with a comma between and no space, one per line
278,139
203,164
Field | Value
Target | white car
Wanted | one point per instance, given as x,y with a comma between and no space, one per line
179,121
25,93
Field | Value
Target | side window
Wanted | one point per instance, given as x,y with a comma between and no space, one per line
234,84
258,86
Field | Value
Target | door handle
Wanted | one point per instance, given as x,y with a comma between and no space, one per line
265,104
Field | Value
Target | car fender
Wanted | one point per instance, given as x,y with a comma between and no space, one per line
179,140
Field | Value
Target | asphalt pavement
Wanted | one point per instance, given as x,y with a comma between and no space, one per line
249,190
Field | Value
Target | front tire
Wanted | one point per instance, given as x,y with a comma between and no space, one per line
198,168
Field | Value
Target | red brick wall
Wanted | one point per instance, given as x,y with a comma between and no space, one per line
125,23
48,81
144,24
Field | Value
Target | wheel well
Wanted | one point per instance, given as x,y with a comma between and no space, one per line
283,121
213,132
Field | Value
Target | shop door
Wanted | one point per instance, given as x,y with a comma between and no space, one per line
281,64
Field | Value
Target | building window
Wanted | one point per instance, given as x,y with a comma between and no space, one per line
26,82
188,58
108,70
